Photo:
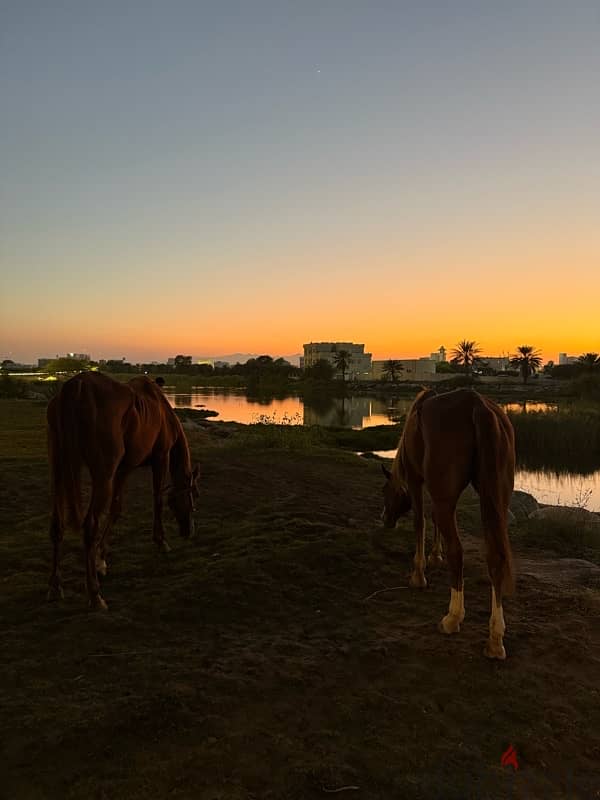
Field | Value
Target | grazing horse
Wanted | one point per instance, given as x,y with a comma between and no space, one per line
112,428
451,440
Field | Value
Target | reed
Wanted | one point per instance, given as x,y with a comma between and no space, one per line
559,441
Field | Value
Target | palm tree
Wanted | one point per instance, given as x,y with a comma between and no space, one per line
465,354
341,360
527,359
391,368
589,360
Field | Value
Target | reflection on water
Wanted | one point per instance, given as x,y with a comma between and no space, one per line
564,490
235,406
355,412
319,409
526,406
348,412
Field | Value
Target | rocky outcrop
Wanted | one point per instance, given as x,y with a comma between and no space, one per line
564,515
523,504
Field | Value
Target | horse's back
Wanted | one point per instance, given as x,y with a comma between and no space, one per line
444,434
90,411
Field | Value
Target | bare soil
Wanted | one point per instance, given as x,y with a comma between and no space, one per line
255,661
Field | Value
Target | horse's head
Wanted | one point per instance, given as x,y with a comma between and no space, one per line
181,502
396,502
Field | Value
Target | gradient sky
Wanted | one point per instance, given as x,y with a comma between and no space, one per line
211,177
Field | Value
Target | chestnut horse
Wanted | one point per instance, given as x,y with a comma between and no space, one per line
451,440
112,428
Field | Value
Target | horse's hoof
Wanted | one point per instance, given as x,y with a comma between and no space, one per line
101,566
98,603
450,624
418,581
493,650
55,593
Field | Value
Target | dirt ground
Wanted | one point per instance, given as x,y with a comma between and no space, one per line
255,661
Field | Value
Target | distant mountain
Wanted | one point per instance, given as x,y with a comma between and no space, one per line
241,358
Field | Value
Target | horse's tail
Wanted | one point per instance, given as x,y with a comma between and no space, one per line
495,461
64,454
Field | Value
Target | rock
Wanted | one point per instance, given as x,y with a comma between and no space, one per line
523,504
565,515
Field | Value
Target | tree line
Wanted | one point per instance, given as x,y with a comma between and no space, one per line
264,370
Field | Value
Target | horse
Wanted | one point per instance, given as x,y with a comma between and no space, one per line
112,428
450,440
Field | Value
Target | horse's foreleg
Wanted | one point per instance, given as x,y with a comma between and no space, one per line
160,469
417,578
436,556
55,591
446,519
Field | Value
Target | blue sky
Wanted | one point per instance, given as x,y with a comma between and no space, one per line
260,174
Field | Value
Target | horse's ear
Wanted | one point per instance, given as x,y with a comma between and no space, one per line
386,471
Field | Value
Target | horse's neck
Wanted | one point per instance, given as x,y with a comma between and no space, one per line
180,462
398,465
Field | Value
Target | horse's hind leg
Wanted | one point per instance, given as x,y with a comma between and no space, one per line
55,591
436,556
495,644
116,507
446,518
101,493
494,647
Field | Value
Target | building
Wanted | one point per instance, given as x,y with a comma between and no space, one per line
497,363
409,369
359,362
563,358
439,356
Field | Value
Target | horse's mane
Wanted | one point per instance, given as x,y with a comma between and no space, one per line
399,464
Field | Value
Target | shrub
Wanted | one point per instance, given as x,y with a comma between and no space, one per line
587,387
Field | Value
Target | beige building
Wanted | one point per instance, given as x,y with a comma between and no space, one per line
359,362
410,369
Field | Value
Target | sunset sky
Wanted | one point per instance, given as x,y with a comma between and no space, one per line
212,177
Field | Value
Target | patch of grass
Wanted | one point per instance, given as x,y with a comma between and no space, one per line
377,437
566,537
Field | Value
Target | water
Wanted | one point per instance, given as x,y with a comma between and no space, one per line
349,412
568,489
362,412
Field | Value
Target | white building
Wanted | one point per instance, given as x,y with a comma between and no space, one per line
499,363
563,358
359,362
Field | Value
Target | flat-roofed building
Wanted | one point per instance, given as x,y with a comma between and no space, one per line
498,363
563,358
359,362
408,369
